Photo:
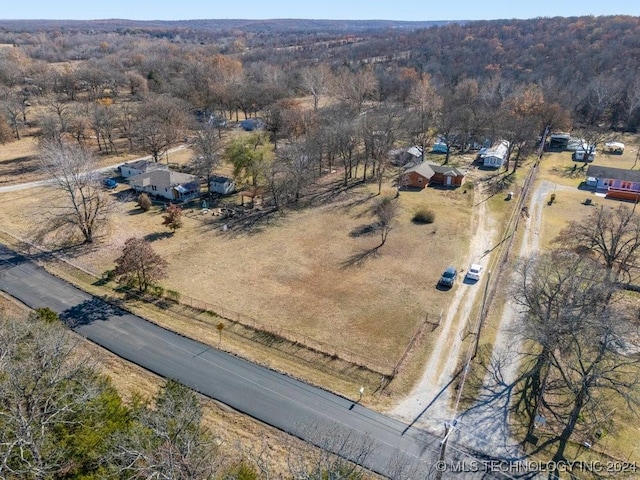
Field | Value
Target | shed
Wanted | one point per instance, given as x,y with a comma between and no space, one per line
251,124
614,147
582,155
439,147
223,185
559,141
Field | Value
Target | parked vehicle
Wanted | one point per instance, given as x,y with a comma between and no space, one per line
474,271
109,183
448,277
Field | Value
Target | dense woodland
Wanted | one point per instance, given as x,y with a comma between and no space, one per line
330,95
137,87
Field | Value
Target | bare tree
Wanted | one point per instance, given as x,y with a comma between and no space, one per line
315,81
613,235
338,456
206,157
581,348
592,137
12,105
85,206
555,291
169,441
50,399
424,105
379,130
596,368
139,265
159,123
386,211
354,88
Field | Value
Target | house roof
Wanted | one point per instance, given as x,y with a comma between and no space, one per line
498,150
447,170
162,179
423,169
221,179
428,170
145,165
598,171
415,151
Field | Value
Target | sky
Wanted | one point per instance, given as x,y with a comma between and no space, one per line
312,9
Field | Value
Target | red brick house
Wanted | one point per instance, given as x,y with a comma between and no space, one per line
426,173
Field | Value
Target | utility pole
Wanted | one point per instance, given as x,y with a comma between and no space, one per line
448,428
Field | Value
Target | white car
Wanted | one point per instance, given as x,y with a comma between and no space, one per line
474,271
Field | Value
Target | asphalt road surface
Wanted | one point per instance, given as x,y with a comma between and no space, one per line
305,411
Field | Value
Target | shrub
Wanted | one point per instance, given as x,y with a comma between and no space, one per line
173,217
242,471
157,290
173,295
108,275
47,315
144,202
424,215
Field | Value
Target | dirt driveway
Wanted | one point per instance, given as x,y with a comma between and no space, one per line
483,427
429,401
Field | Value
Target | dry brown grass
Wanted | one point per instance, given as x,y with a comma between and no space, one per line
291,274
18,161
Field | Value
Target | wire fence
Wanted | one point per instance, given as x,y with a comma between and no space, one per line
386,369
502,256
172,301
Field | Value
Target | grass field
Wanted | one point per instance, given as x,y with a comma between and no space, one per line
293,272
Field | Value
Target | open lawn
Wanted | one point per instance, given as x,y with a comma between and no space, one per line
293,271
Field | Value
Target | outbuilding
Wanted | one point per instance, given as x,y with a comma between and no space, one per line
222,185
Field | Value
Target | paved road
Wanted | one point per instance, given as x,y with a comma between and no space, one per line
270,397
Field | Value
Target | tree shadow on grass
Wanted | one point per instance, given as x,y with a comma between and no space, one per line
365,230
573,171
248,222
152,237
88,312
359,259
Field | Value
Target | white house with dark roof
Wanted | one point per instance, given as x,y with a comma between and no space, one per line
139,167
167,184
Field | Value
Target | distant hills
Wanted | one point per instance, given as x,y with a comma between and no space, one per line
274,25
